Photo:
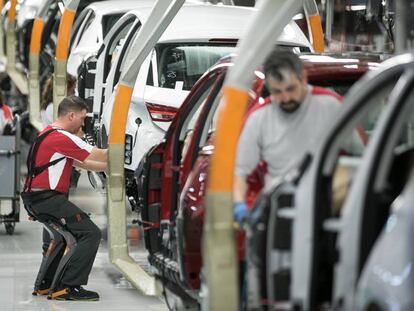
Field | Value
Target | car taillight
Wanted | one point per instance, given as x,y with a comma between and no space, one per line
161,113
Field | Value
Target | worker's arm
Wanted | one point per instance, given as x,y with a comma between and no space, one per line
97,161
239,189
99,155
91,165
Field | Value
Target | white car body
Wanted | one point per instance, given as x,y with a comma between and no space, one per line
88,30
27,11
195,23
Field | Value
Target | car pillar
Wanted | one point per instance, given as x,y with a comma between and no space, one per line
16,76
219,246
160,17
62,51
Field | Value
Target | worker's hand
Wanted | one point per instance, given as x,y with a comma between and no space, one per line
240,211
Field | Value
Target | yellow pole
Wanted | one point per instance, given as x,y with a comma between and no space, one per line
62,51
160,17
19,79
2,52
219,249
314,25
34,85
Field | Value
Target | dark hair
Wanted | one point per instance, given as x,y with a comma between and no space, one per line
47,95
71,104
282,60
1,99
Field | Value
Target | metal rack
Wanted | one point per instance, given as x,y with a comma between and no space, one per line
10,175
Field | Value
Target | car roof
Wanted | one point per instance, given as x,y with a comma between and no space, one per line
199,21
109,7
322,67
338,66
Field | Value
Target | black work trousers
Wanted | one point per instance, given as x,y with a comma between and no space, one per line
86,233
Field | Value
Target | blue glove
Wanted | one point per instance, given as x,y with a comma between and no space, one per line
240,211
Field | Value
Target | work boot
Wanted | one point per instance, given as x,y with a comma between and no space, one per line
74,293
43,289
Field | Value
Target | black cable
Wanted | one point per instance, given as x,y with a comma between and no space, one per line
164,250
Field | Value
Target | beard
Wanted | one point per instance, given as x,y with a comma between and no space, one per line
290,106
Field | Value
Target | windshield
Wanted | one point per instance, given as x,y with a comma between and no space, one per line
181,65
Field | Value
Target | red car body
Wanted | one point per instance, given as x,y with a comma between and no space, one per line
173,185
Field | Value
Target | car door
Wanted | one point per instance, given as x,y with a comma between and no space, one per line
193,181
86,41
303,215
119,36
320,203
158,172
372,204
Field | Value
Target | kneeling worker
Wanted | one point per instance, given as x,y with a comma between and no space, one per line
50,162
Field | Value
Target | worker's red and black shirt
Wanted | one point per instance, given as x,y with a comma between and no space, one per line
56,145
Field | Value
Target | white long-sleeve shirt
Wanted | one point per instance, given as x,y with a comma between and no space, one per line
280,138
47,115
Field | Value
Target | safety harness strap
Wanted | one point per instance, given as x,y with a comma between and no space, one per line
30,198
33,171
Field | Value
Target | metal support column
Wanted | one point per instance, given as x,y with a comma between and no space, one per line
16,76
160,17
404,34
329,19
34,54
314,25
62,51
219,249
2,52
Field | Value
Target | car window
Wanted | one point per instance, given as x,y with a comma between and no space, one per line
108,21
123,47
402,160
352,143
181,65
187,129
191,119
116,44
